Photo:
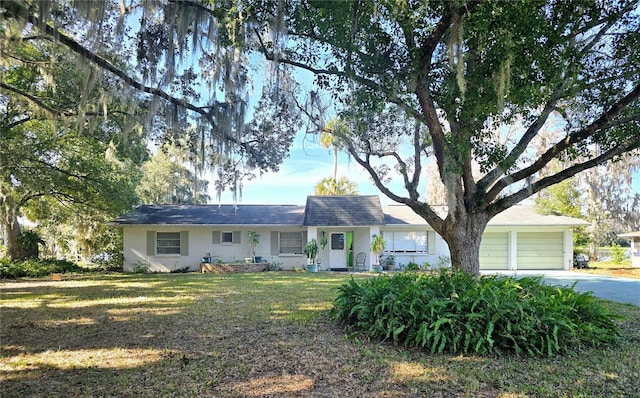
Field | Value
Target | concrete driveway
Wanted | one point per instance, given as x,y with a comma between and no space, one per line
622,290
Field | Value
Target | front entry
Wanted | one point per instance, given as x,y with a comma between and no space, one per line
338,250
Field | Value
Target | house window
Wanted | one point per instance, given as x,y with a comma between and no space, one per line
291,243
226,237
406,241
168,243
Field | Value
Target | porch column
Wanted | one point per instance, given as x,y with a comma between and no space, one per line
373,230
312,233
512,250
567,257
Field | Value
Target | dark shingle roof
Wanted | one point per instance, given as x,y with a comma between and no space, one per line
343,210
213,215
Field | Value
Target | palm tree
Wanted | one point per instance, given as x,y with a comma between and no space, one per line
30,242
330,138
330,187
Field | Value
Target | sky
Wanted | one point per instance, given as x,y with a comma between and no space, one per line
307,165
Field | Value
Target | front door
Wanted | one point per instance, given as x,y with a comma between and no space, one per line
338,250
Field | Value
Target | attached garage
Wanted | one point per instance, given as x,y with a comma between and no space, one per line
540,250
494,251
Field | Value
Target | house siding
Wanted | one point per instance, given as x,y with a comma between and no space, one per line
139,247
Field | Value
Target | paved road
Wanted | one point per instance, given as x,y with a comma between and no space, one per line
623,290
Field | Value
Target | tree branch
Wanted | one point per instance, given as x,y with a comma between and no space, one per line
73,45
603,122
508,201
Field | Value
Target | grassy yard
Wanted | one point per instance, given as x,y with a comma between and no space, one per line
255,335
612,269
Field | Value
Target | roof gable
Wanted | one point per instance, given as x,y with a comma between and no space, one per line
353,210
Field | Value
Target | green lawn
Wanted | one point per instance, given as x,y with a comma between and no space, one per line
255,335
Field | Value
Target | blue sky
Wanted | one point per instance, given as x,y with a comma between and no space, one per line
307,165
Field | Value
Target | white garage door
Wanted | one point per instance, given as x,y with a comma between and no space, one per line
494,250
540,250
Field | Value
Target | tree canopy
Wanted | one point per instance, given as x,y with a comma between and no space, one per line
467,85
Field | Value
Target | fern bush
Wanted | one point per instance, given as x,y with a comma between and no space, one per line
459,313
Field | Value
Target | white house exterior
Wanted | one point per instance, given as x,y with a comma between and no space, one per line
169,237
634,237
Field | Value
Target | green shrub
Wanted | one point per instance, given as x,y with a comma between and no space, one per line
617,253
34,268
412,266
140,267
458,313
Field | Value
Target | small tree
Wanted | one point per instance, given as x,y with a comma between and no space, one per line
254,241
311,250
617,253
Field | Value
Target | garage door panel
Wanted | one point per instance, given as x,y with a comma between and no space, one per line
494,250
540,250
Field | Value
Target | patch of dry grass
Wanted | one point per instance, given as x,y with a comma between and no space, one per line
254,335
612,269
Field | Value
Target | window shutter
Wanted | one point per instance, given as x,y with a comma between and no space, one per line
304,241
236,237
275,244
432,242
215,237
151,243
184,243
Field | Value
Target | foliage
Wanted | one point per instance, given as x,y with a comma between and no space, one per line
108,261
30,242
411,266
34,268
322,239
311,250
378,244
617,253
165,179
64,147
377,247
459,313
254,240
388,261
332,187
140,267
565,199
331,138
561,199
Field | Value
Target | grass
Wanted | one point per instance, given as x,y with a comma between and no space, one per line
612,269
255,335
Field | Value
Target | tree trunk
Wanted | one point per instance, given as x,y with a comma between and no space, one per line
12,230
335,165
463,235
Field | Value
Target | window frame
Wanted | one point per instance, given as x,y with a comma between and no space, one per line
161,236
224,234
300,236
391,241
